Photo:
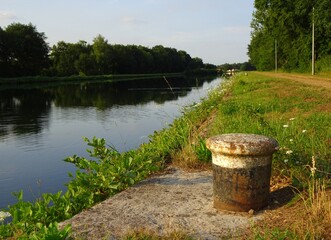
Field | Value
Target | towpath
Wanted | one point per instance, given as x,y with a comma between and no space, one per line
318,81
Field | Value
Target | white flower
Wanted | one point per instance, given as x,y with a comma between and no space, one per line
286,160
304,130
4,215
288,152
285,126
291,119
291,140
313,167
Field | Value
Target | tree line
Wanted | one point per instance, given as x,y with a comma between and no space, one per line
286,25
25,52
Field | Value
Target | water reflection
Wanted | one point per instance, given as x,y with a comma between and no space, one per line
40,126
25,111
105,95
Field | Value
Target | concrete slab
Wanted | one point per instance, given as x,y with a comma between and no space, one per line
174,201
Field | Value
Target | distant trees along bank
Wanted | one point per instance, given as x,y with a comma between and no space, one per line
24,52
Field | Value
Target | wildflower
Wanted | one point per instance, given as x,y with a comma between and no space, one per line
4,215
286,160
285,126
313,168
288,152
291,119
304,130
291,140
197,104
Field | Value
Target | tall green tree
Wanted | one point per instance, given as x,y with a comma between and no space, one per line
72,59
4,56
24,50
322,16
289,22
102,52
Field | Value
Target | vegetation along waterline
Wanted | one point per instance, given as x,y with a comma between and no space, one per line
296,115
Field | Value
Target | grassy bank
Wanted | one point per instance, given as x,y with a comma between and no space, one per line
296,115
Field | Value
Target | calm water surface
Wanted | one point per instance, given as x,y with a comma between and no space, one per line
40,126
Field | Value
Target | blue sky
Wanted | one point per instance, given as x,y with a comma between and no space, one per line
218,31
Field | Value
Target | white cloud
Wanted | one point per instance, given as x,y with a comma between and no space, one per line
5,15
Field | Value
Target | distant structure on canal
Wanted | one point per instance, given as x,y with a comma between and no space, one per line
231,72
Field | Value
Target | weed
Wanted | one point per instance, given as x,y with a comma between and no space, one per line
147,235
275,234
202,152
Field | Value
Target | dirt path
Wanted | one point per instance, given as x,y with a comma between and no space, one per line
318,81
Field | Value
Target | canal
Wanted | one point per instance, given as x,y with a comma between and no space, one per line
42,125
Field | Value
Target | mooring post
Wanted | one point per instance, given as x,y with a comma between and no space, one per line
241,170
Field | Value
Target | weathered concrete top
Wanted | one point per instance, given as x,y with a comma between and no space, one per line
242,144
238,150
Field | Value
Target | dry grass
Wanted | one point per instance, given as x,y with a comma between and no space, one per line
306,216
144,234
186,159
309,218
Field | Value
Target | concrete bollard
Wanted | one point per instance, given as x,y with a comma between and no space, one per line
241,170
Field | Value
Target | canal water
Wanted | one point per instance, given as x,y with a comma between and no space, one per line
42,125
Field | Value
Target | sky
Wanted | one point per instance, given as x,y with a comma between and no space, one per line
217,31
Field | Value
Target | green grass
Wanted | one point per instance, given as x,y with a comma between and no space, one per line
295,115
298,117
